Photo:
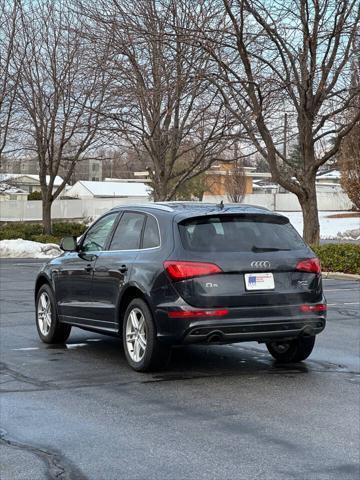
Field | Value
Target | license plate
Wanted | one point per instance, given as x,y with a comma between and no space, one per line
259,281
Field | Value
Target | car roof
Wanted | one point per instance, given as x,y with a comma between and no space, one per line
184,210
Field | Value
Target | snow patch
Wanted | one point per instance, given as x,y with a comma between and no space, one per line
330,228
20,248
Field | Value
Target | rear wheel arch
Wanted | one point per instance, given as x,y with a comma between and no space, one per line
128,296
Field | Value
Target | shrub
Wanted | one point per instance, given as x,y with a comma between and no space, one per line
63,229
34,231
42,238
339,257
35,196
19,230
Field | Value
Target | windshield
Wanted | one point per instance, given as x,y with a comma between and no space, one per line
236,233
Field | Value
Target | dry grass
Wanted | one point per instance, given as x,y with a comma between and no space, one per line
344,215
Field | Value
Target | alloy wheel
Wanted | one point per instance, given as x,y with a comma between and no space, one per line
136,335
44,314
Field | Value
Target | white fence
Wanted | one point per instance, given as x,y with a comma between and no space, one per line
13,210
288,202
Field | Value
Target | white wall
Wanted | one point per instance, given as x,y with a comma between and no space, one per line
79,191
13,210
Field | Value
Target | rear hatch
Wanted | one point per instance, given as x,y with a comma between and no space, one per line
261,261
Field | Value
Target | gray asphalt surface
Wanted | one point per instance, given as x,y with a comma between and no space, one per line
218,412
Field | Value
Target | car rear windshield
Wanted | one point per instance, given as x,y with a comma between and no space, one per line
239,233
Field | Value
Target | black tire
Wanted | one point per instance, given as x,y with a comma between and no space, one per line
155,355
57,332
292,351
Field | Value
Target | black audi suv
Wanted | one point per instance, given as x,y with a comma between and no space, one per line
164,274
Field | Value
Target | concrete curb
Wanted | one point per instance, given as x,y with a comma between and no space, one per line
341,276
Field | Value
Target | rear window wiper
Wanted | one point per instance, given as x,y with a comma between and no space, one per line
254,248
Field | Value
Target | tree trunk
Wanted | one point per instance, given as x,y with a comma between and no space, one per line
159,189
308,202
46,216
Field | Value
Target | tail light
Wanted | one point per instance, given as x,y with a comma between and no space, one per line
320,307
198,313
183,270
311,265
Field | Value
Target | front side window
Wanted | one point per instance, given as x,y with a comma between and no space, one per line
151,233
96,237
128,232
239,233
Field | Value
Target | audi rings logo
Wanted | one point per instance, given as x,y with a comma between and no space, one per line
261,264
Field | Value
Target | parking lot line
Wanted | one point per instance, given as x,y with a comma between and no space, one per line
25,348
345,303
340,289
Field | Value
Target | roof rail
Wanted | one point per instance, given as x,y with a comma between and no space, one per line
157,206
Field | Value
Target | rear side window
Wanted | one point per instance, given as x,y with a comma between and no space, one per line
128,232
235,233
151,233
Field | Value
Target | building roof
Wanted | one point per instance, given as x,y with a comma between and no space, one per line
128,180
6,189
114,189
263,186
19,176
260,175
331,174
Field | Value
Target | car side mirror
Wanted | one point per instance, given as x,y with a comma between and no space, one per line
69,244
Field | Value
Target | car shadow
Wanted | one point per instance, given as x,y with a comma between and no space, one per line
186,362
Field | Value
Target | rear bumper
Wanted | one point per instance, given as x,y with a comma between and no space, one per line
261,324
254,331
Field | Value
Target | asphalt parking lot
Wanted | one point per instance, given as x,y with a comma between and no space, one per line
217,412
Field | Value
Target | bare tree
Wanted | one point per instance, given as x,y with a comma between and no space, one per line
60,92
283,70
349,153
349,160
9,74
163,105
119,163
235,183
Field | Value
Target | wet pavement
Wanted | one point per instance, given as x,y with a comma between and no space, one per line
79,412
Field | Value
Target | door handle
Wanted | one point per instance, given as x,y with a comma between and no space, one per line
89,268
100,269
123,269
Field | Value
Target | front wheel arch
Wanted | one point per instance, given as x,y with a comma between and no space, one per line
40,281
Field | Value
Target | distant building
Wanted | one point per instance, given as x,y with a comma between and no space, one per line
10,192
128,180
261,186
216,176
216,179
22,165
329,182
86,169
329,177
29,183
88,189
